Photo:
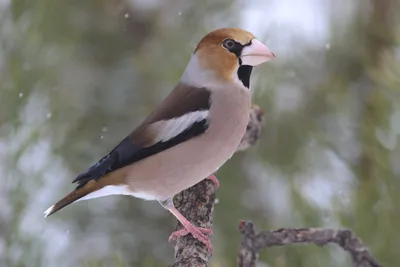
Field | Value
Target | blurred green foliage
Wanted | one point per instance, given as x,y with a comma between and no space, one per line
77,76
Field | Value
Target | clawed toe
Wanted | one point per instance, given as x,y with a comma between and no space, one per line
198,233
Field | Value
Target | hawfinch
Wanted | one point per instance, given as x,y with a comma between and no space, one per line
191,134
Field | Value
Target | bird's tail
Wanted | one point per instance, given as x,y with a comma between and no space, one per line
72,197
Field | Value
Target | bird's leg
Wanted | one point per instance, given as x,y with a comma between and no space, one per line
198,233
214,179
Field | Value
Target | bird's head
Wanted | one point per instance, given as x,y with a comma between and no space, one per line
228,54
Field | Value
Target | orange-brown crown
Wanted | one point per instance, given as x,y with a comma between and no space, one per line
214,56
215,38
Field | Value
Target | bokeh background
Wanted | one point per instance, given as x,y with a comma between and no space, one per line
76,76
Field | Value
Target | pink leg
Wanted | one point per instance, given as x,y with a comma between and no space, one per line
198,233
214,179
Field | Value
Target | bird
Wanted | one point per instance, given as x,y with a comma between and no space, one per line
188,136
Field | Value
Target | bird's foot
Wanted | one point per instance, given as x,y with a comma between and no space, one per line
198,233
214,179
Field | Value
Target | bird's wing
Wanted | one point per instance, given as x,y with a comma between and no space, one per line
181,116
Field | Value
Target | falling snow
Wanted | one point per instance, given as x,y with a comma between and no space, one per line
328,46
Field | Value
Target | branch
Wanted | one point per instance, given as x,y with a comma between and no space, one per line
197,204
253,243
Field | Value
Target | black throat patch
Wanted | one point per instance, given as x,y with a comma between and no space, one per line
244,73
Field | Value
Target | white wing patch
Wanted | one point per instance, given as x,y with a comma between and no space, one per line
168,129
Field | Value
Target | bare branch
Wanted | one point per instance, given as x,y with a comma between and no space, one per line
196,204
253,243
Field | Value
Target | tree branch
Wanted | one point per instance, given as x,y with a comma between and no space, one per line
253,243
196,204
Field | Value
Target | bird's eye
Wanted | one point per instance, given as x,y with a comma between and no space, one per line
229,44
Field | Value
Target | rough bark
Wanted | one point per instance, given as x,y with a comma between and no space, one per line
253,243
197,205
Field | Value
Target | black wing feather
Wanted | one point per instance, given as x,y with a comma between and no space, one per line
126,153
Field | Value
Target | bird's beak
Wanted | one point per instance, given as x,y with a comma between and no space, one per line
256,53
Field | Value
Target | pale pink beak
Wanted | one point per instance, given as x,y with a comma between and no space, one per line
256,53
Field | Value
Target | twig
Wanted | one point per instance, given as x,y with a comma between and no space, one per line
253,243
